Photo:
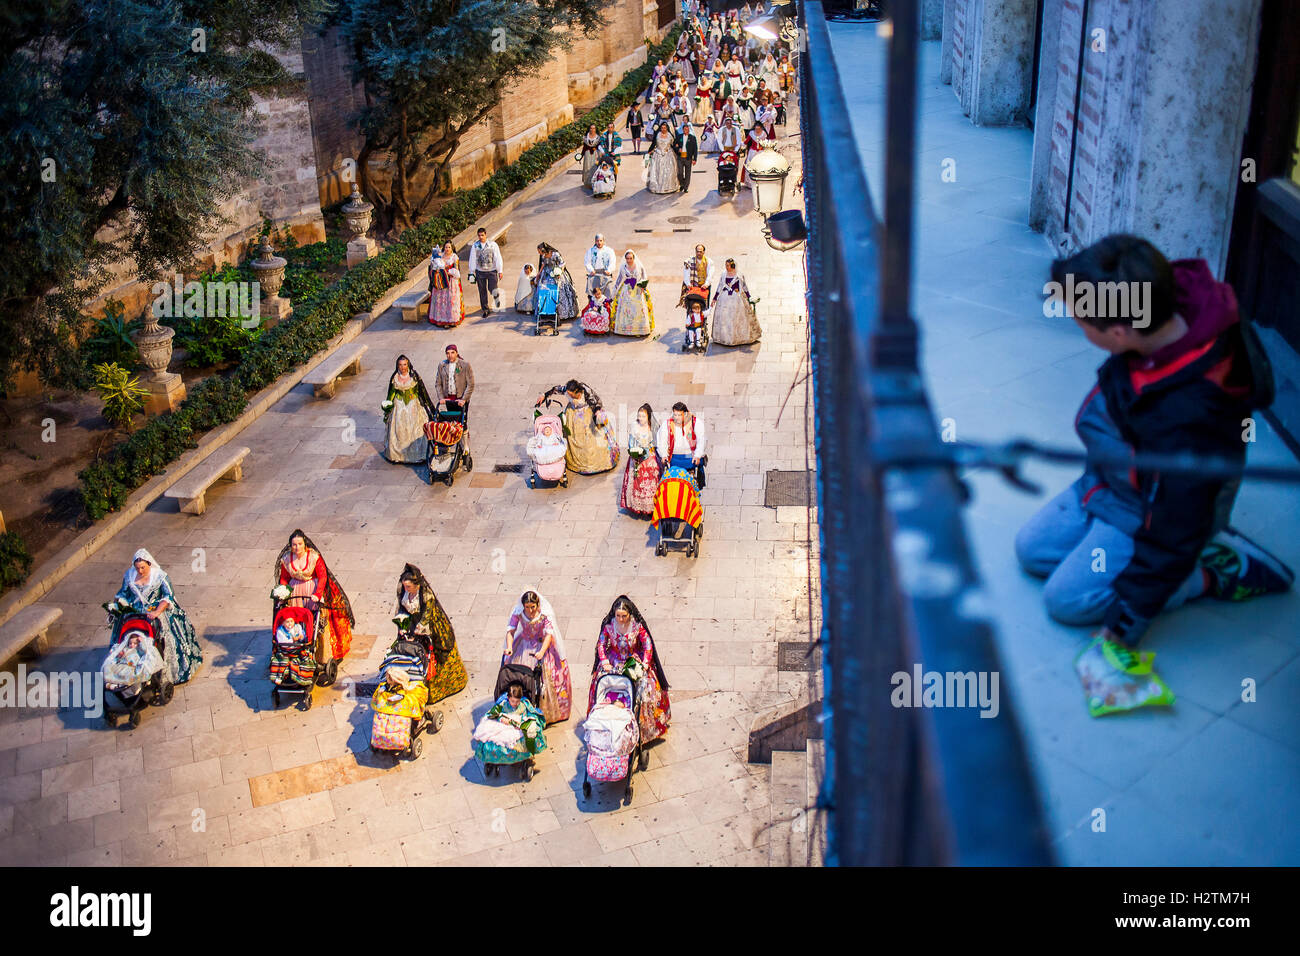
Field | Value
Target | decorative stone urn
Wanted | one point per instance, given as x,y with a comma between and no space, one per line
357,214
269,269
154,343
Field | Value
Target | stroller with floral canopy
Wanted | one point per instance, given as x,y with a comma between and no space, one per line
612,733
133,672
678,514
547,448
401,701
512,731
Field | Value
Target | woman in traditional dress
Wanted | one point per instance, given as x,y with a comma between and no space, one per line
589,153
301,567
709,137
552,270
532,638
769,70
755,140
147,589
765,116
407,407
634,312
734,321
703,100
785,69
661,162
526,290
592,447
429,624
446,296
624,636
641,476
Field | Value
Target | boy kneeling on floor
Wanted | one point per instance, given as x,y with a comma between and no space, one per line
1118,545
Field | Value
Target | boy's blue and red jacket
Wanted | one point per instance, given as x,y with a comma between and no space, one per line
1192,395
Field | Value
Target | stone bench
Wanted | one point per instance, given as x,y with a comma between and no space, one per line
500,236
225,463
24,634
412,304
325,376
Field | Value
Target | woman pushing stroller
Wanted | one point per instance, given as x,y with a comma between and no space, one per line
592,447
532,638
625,647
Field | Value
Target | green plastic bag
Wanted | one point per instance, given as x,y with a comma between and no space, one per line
1115,679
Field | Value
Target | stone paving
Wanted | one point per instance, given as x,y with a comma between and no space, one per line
274,787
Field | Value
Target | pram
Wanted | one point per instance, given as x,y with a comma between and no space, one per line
728,162
612,735
134,671
700,295
605,177
446,441
546,452
502,738
548,305
401,700
294,669
678,514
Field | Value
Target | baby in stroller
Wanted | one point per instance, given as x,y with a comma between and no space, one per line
612,734
604,178
547,449
513,729
400,702
133,671
293,650
697,332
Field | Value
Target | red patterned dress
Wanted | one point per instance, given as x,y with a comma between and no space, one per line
612,652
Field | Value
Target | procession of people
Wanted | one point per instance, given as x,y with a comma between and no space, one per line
719,92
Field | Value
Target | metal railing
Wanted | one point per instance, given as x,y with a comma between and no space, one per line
904,784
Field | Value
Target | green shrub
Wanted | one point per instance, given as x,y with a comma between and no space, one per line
120,392
112,340
321,313
15,561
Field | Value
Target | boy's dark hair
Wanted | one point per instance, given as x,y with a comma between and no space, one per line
1120,259
680,407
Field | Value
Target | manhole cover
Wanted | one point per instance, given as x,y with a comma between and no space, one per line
797,656
643,230
783,488
683,220
687,229
514,469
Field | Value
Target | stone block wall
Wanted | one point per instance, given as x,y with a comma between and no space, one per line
988,54
335,100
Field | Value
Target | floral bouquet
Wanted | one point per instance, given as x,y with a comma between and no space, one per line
636,451
402,621
386,407
281,592
530,730
643,284
117,606
633,669
557,271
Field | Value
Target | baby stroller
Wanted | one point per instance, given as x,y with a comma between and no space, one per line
728,162
506,738
294,669
401,700
548,305
548,450
446,446
604,178
700,295
133,673
612,735
678,514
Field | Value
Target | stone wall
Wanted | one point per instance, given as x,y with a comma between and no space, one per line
335,100
989,53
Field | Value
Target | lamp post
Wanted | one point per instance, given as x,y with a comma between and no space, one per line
783,229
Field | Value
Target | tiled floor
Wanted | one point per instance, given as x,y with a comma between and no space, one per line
1214,780
219,777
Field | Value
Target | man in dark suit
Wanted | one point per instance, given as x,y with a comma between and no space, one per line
687,149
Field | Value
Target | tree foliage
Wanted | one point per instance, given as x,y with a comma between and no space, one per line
434,68
124,127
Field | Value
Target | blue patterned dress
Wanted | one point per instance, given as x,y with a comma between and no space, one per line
182,652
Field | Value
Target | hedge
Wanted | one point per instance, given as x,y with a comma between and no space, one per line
107,483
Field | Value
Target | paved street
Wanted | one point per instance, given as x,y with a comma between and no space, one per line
1211,781
291,787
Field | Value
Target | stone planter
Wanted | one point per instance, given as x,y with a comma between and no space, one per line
166,389
357,213
269,269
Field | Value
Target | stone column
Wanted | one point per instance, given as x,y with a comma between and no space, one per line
931,19
945,40
998,55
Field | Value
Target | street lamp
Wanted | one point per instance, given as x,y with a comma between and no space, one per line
776,22
783,230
